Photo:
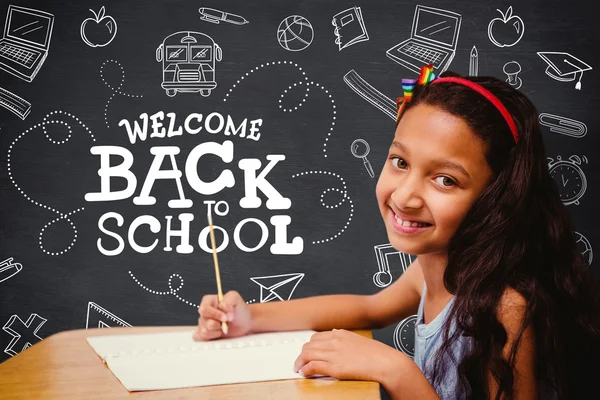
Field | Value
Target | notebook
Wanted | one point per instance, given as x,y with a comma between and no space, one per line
349,27
171,360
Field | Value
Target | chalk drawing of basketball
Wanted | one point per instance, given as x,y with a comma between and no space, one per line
295,33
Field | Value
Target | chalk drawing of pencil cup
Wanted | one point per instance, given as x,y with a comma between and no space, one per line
512,69
188,63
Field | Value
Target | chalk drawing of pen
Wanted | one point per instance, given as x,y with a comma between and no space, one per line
216,16
8,269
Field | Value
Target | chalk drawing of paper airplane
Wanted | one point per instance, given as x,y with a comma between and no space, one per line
277,286
98,317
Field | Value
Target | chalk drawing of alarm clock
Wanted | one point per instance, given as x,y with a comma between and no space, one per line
569,178
584,247
404,335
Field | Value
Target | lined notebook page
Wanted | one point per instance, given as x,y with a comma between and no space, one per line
171,360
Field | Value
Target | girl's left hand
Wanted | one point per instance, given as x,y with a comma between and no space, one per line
342,354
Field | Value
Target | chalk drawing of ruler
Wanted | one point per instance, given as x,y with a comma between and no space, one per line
14,103
372,95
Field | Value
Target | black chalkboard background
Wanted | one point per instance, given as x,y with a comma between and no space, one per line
309,115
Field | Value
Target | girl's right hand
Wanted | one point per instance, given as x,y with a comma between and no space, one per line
233,310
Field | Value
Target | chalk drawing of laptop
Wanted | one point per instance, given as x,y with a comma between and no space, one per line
25,42
433,40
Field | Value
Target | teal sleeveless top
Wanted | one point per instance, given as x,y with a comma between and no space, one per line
428,338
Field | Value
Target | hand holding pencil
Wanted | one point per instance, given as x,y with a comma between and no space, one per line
221,315
224,327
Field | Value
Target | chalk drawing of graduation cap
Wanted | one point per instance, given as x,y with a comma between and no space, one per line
277,286
564,67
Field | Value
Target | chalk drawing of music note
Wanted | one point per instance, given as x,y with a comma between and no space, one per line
386,254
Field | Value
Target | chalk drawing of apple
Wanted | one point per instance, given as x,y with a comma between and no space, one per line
100,30
506,31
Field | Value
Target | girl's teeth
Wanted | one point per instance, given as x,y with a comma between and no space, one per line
409,223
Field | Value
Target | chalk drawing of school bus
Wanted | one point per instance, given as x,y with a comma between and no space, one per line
188,63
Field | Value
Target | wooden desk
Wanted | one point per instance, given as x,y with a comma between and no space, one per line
64,366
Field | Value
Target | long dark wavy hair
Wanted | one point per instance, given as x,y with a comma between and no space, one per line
519,235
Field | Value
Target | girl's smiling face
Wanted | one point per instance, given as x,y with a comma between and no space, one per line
434,171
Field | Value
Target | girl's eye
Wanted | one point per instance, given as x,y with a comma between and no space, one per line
398,162
445,181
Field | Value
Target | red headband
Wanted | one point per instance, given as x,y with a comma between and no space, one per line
488,95
427,76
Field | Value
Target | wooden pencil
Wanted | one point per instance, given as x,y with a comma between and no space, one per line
224,326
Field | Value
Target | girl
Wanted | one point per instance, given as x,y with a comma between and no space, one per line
506,306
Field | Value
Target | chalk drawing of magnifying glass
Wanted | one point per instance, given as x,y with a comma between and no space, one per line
360,149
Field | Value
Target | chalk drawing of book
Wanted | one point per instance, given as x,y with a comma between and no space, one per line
25,42
433,40
387,255
370,94
98,317
349,27
277,286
